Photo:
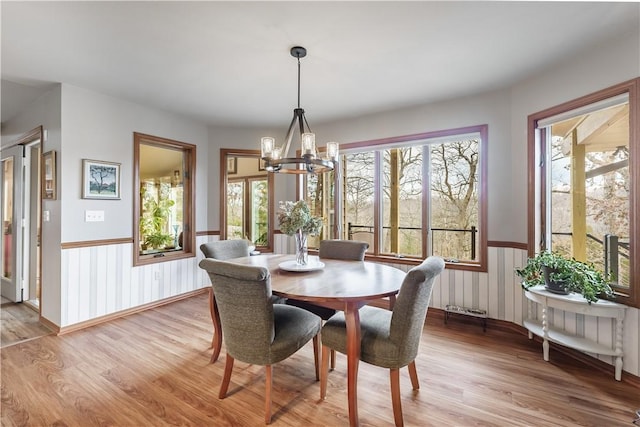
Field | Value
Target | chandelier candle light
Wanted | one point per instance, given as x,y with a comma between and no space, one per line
309,162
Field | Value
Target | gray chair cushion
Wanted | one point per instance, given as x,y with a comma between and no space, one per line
228,249
255,330
391,338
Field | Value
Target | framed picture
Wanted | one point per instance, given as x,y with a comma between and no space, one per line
49,175
261,165
232,165
100,180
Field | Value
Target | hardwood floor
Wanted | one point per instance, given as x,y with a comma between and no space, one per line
152,369
19,323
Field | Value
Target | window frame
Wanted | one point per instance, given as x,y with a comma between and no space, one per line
224,154
188,234
398,141
536,202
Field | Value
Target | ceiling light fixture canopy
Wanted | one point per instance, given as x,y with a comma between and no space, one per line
275,157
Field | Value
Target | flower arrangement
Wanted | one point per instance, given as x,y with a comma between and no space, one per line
294,216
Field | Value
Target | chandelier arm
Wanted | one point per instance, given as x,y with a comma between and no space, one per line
301,121
306,123
289,136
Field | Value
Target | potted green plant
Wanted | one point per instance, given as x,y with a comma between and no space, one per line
561,274
154,219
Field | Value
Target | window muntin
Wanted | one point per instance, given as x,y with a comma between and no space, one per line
398,213
163,208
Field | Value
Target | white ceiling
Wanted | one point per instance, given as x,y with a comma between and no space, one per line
228,63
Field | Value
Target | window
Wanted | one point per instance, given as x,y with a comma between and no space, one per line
163,210
417,195
587,157
320,198
248,195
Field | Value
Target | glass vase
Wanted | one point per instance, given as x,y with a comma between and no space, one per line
302,255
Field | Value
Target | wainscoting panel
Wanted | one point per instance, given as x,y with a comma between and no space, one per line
100,280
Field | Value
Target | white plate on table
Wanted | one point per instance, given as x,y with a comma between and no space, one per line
312,265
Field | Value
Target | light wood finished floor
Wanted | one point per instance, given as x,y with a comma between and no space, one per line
152,369
19,323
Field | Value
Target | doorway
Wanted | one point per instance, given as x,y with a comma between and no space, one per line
20,210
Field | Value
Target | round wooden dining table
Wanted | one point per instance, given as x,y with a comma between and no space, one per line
341,285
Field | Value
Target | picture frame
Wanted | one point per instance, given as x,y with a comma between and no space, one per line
261,165
100,180
232,165
49,175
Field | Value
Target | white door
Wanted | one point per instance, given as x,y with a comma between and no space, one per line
13,222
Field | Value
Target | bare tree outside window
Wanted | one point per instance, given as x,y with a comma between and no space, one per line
402,201
454,198
359,195
452,191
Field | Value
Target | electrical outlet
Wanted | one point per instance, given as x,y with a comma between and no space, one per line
94,216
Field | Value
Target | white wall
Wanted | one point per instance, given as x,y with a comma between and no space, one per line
491,108
603,66
100,127
45,111
246,139
84,124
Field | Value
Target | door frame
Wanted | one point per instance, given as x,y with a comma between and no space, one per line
26,246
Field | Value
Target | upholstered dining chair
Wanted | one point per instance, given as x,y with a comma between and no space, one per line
224,250
256,331
352,250
389,339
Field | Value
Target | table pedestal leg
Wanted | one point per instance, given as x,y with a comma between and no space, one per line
352,317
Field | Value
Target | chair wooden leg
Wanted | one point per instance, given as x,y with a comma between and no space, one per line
395,397
316,354
267,394
216,341
324,372
333,359
228,367
413,374
211,311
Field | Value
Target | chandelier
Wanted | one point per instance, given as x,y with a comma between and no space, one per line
276,158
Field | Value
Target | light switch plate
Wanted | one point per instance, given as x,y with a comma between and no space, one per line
94,216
